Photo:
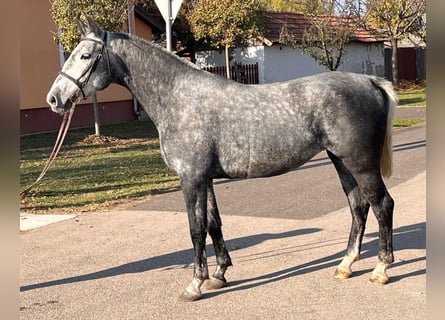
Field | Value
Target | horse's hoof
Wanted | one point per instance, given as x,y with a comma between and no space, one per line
214,284
342,274
189,296
378,279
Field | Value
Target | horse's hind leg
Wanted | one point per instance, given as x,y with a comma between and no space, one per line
359,210
223,260
382,204
373,189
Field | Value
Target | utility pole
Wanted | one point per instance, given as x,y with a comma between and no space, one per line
130,6
96,115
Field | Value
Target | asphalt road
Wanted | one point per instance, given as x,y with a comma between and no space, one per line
311,191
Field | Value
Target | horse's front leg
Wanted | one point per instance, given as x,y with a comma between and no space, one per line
195,196
223,261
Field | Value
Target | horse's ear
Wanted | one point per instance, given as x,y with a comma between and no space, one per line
93,26
89,27
82,27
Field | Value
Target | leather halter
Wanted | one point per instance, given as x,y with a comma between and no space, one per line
91,66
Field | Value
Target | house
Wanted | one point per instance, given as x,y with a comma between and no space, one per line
40,63
279,62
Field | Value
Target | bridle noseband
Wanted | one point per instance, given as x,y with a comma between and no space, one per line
90,68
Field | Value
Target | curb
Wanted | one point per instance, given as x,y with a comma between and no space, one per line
30,221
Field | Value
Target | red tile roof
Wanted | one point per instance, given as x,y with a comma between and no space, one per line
297,23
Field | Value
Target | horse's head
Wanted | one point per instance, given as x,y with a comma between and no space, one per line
85,71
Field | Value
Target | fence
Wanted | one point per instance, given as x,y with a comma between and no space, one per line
247,73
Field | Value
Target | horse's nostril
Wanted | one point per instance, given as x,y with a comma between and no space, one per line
52,100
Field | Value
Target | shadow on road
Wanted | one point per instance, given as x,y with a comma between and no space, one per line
179,259
406,237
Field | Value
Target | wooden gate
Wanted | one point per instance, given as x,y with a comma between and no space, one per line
247,73
410,64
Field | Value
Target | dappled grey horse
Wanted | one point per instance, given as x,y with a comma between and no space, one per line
211,127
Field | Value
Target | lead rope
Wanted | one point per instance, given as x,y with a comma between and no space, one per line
59,141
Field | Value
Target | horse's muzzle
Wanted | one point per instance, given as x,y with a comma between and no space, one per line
56,104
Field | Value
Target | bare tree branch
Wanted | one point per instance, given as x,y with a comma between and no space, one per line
328,34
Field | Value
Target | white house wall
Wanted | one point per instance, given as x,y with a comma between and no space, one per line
285,63
365,58
280,63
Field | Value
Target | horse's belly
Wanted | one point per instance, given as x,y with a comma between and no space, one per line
267,149
267,166
265,163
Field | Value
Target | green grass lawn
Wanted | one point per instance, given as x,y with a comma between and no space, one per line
120,167
412,97
94,173
403,123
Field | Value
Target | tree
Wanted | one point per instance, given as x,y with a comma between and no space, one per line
306,6
108,14
329,32
398,18
226,23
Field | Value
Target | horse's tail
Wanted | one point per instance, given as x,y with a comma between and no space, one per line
391,102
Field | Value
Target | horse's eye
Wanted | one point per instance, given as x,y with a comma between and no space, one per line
85,56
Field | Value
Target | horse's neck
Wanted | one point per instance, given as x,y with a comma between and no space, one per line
151,75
